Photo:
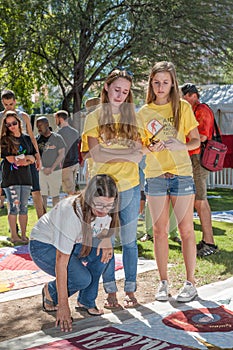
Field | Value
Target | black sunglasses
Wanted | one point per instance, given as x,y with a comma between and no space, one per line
8,125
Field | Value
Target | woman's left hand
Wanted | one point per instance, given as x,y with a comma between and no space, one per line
21,162
28,159
107,250
174,145
63,318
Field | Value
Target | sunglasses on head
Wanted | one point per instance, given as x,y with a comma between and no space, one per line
8,125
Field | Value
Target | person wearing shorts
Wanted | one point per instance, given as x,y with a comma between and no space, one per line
71,162
167,121
205,118
52,151
200,176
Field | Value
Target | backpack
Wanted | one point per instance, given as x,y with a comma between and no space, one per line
213,151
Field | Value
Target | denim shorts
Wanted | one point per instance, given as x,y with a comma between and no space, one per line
175,186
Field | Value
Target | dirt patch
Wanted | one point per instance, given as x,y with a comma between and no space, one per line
24,316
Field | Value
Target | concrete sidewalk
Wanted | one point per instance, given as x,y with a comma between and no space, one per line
146,320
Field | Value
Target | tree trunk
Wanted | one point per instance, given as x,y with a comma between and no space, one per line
77,114
79,75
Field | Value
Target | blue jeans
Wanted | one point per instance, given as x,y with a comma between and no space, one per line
128,213
79,277
17,196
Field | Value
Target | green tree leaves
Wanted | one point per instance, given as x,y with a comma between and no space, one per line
74,44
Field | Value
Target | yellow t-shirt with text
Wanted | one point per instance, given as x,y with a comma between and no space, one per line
125,174
175,162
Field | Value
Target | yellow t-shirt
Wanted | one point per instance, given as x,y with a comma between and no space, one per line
125,174
175,162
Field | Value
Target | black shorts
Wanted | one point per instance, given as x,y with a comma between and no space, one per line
35,178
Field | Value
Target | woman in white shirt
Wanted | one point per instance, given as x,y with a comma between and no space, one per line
72,242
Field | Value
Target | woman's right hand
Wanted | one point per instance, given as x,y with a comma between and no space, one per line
63,318
157,146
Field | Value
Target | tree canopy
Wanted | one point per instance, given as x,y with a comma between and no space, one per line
75,43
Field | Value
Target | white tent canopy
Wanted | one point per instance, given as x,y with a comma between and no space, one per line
220,99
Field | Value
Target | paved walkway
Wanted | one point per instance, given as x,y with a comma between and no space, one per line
147,321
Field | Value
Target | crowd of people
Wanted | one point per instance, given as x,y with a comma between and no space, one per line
145,162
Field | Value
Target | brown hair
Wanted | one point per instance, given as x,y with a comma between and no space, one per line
127,127
62,114
8,141
169,67
7,94
99,186
92,103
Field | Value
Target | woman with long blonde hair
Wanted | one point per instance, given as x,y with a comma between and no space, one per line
115,146
170,131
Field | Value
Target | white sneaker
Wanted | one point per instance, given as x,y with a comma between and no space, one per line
162,293
187,293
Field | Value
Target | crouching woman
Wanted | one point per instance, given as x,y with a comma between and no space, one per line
72,242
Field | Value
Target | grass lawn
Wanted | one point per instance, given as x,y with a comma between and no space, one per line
210,269
213,268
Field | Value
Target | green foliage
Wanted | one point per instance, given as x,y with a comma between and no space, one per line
74,44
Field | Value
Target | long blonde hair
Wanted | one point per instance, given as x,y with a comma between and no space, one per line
127,126
169,67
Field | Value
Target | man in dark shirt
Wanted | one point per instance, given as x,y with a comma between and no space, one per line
52,150
71,161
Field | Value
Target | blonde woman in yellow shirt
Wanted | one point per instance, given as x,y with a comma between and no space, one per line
115,147
168,171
